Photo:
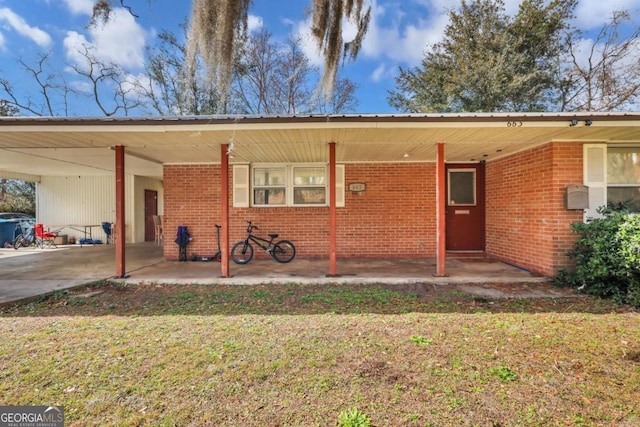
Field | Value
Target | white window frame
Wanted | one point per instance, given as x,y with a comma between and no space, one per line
243,185
609,185
324,185
285,185
290,184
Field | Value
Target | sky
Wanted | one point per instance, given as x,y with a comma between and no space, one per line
399,32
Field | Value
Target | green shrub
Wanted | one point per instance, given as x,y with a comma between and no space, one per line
607,256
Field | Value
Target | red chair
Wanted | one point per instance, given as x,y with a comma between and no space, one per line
44,239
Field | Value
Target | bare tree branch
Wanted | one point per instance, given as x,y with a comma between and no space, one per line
107,79
48,85
608,78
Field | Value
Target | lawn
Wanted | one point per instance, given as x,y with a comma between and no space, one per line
311,355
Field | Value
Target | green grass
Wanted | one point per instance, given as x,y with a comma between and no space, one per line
295,355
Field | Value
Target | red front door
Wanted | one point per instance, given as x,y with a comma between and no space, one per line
465,207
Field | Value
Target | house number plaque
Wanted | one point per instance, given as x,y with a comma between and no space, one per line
357,186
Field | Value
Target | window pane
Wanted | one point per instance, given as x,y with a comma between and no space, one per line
268,196
623,166
628,197
309,196
309,176
268,176
462,188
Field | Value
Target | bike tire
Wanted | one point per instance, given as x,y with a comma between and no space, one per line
242,252
20,241
283,251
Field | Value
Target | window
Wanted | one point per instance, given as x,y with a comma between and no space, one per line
462,187
269,186
623,177
289,185
309,185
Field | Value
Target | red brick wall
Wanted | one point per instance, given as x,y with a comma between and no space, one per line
191,198
394,217
526,220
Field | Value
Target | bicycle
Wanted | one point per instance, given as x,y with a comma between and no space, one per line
26,236
282,251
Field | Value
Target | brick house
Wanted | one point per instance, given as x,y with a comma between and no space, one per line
505,186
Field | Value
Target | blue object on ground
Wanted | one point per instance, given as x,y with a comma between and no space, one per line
182,239
90,241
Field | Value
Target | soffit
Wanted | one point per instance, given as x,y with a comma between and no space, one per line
85,148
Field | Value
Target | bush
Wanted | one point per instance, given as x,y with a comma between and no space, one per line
607,256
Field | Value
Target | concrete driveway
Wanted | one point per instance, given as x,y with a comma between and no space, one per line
29,272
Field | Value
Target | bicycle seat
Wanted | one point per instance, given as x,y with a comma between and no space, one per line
273,236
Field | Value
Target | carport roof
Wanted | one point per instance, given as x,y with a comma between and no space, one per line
34,146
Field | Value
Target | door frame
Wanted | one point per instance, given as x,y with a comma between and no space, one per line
150,209
471,239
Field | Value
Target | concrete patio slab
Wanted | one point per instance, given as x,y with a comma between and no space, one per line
29,272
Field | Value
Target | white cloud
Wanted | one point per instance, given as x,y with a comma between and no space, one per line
390,37
302,29
80,7
20,26
379,73
592,14
121,41
254,23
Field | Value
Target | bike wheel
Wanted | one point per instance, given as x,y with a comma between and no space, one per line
242,252
20,241
283,251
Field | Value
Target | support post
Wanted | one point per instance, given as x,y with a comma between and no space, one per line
224,210
441,201
120,219
332,210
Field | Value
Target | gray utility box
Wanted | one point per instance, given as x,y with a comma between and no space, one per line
577,197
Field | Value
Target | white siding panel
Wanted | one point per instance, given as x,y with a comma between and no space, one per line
63,201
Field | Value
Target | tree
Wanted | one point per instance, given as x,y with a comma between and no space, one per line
52,93
489,61
218,28
609,78
6,109
174,89
277,78
108,79
110,88
268,78
17,196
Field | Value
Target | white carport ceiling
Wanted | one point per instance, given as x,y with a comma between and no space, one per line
84,146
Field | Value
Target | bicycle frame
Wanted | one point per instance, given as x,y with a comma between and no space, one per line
282,251
265,244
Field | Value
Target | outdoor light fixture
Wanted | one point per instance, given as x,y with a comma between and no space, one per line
588,122
574,122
